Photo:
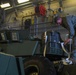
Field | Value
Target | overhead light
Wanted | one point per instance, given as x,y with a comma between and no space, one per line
22,1
5,5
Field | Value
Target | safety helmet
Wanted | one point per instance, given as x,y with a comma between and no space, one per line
58,20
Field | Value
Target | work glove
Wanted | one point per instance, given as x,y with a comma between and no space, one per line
67,41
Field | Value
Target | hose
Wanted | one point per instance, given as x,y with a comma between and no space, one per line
63,48
45,36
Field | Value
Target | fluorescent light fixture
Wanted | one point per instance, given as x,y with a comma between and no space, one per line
22,1
5,5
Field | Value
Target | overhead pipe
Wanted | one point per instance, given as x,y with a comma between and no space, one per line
60,3
49,4
17,6
30,3
26,4
13,3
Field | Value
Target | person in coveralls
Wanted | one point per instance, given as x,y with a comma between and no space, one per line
69,22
